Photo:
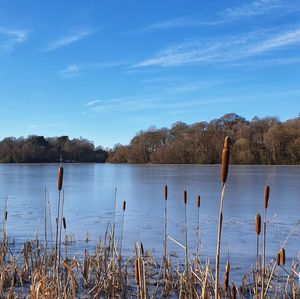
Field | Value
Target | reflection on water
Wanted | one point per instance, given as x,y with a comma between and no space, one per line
89,198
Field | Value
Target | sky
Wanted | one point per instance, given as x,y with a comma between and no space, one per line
104,70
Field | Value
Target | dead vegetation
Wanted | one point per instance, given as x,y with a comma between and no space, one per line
46,270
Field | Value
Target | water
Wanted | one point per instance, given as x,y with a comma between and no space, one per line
89,200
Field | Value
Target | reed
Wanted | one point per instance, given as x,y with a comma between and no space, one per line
114,214
122,232
198,225
57,243
257,231
165,231
224,173
226,277
266,201
45,219
186,233
233,291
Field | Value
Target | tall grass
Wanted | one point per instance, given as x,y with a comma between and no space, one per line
224,173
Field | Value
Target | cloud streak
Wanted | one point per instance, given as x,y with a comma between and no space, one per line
68,40
76,70
12,37
222,49
256,8
252,9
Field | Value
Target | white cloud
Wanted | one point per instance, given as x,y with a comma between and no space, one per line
222,49
257,7
75,70
12,38
188,21
251,9
67,40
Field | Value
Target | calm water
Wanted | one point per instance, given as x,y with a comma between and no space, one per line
89,200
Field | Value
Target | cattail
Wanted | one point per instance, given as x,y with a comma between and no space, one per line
282,257
60,177
225,160
124,205
227,142
226,276
266,196
166,192
64,223
185,197
233,291
257,223
198,201
142,249
6,215
278,258
136,271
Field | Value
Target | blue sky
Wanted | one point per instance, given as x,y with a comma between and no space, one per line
104,70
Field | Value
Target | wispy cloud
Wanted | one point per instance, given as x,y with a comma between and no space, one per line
255,8
187,21
12,37
173,104
69,39
223,49
124,105
76,70
252,9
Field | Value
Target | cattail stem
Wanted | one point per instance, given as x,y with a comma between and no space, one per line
198,226
165,232
219,242
264,257
256,266
114,215
50,217
266,201
186,235
56,232
45,221
122,232
257,230
61,223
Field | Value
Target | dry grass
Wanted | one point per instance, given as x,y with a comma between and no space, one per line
38,271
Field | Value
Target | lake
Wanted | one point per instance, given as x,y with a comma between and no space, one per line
89,200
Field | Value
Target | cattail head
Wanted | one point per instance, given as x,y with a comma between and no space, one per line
257,223
185,197
136,271
225,160
233,291
6,215
166,192
64,223
142,249
124,205
282,257
226,276
60,178
227,142
266,196
278,258
198,201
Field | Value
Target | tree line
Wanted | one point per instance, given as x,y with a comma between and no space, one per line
35,149
259,141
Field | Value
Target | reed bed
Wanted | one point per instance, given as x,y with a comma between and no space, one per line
40,270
